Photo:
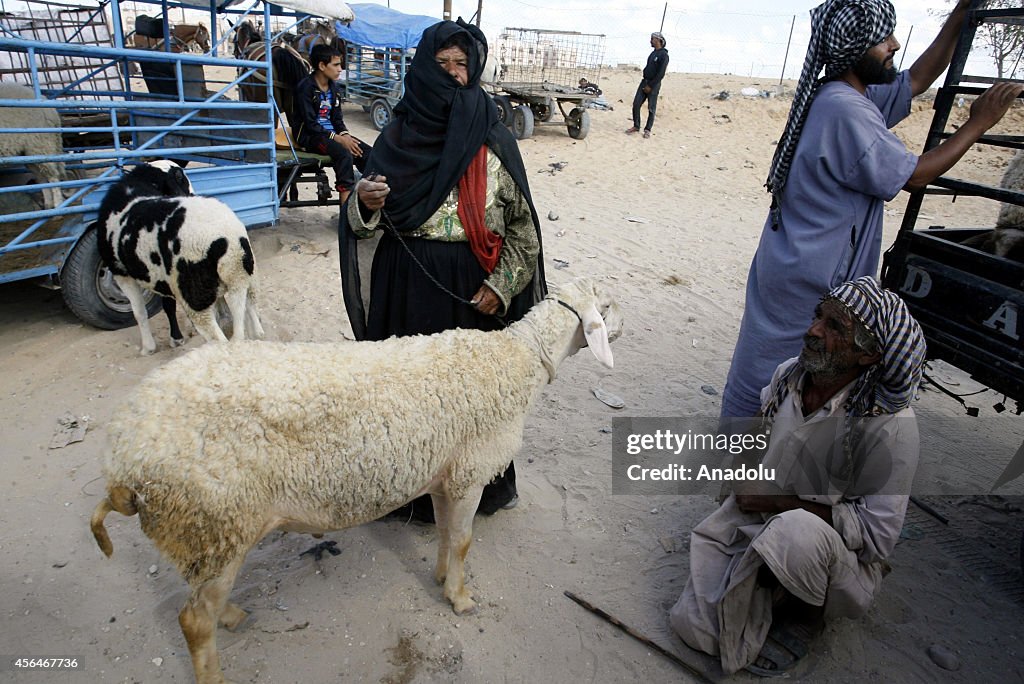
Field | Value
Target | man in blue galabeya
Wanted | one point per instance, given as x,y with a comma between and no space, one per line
835,166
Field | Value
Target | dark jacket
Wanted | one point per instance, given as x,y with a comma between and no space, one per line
657,64
307,104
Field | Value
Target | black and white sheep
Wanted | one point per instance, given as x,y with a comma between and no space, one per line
18,144
221,446
154,234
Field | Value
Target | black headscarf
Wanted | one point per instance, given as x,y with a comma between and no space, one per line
437,129
439,126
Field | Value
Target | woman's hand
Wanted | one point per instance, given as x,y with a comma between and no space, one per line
486,301
372,191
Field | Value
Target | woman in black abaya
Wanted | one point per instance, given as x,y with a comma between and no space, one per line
447,177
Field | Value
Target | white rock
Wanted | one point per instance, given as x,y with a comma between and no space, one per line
943,657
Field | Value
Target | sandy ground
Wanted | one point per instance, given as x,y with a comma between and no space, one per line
672,223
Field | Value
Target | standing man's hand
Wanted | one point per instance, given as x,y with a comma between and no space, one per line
991,105
647,90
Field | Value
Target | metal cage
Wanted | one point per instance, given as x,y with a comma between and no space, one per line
537,56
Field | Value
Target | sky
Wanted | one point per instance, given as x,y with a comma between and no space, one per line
744,37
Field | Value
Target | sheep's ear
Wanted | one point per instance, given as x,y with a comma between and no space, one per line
178,185
596,333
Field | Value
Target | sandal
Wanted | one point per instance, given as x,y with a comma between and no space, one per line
787,644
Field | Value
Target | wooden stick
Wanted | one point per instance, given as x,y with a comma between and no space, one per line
930,511
640,637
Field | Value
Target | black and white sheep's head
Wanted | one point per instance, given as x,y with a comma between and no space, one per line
600,317
164,177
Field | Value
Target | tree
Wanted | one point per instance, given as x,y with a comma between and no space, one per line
1004,42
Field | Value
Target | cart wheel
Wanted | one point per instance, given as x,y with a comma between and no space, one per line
380,113
504,109
90,291
543,111
522,122
578,123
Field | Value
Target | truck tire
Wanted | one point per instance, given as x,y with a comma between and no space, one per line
544,111
504,106
578,123
522,122
380,113
90,291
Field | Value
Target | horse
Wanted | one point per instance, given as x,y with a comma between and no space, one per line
184,38
160,76
289,67
313,32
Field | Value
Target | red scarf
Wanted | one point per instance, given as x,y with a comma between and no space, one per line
485,244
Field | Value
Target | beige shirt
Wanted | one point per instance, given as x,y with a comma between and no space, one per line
870,525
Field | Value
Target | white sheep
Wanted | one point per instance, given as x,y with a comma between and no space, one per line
18,144
155,235
1007,238
221,446
1012,215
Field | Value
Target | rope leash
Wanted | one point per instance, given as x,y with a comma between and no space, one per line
386,220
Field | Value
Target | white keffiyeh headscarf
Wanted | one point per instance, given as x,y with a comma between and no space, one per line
842,31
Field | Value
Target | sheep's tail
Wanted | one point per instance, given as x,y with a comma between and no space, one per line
119,498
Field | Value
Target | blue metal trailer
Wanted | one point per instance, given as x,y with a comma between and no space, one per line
77,62
380,43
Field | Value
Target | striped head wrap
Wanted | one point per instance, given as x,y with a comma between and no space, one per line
889,385
842,31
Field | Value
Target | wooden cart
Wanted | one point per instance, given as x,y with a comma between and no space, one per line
543,71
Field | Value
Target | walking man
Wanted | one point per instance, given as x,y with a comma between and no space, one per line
650,84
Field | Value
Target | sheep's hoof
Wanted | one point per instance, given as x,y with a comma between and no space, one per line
233,617
177,342
147,352
440,575
463,605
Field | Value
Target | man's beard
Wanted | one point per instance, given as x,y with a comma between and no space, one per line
872,71
820,363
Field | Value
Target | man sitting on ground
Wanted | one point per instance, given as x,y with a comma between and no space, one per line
767,569
318,125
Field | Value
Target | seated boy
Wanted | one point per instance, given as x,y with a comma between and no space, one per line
318,125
